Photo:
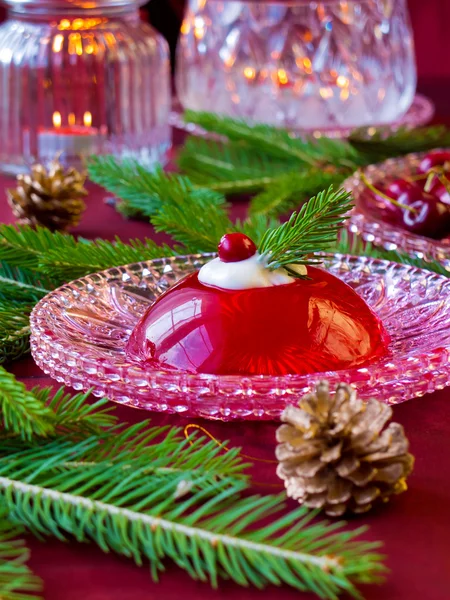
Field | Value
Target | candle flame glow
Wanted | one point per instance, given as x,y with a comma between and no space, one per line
71,118
58,43
342,81
87,119
75,44
199,28
185,27
57,119
250,73
81,24
283,78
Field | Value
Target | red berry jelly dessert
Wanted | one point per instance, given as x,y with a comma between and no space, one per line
306,326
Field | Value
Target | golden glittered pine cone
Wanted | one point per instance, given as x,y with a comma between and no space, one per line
336,454
51,198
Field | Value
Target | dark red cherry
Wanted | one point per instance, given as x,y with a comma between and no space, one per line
398,187
386,198
430,217
234,247
436,158
439,190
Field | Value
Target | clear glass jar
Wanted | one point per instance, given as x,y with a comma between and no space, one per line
81,78
300,64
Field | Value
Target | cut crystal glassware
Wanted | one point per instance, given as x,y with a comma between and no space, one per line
366,221
81,78
298,64
80,331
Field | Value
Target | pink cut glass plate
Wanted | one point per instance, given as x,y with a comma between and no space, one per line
79,333
367,222
419,113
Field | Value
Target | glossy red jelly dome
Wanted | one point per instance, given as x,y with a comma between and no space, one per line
319,324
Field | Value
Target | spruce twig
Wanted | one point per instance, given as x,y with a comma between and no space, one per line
277,143
21,411
313,229
289,191
14,330
17,582
209,531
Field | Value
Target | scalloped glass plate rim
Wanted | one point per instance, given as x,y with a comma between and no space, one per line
280,388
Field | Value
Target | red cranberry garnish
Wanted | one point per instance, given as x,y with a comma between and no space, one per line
436,158
234,247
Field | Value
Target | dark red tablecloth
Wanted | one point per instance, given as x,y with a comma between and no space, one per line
415,527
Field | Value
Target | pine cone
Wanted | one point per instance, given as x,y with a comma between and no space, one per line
335,455
53,198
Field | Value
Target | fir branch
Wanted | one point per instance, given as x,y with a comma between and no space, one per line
278,143
256,226
76,414
385,144
19,285
209,532
14,330
23,246
197,220
98,255
17,582
153,451
313,229
21,411
289,191
229,168
61,261
126,179
41,413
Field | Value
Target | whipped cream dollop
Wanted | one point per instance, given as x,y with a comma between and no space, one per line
245,274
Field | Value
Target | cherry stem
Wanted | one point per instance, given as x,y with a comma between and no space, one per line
440,173
373,189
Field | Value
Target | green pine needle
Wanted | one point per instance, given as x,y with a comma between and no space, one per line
126,179
14,330
21,411
289,191
196,218
17,582
18,284
277,143
41,413
68,264
313,229
209,530
23,246
385,144
229,168
256,226
76,413
43,260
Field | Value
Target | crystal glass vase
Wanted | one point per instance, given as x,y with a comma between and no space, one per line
81,78
300,64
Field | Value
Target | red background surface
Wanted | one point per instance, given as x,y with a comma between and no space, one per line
415,527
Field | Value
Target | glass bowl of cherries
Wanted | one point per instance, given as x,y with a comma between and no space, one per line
404,204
